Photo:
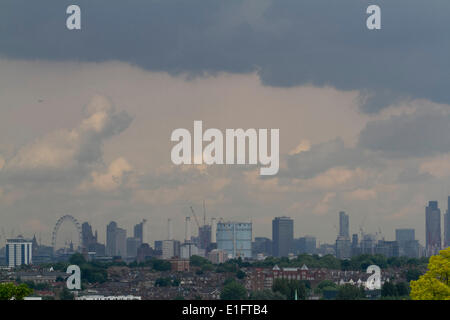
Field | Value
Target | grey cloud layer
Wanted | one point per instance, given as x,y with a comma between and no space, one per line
324,43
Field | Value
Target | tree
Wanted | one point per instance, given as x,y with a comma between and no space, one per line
291,288
350,292
77,259
388,289
413,274
435,283
233,291
402,289
197,261
240,274
10,291
66,294
266,295
161,265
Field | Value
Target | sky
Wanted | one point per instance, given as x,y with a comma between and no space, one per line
86,116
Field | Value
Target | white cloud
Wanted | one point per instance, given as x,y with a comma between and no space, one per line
113,178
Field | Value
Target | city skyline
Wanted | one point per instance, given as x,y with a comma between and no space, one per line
140,232
85,125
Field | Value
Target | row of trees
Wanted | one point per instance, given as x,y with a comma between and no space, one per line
360,262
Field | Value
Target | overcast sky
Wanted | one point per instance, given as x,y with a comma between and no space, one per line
86,116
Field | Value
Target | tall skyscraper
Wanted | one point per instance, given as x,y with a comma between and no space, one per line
433,228
235,238
344,229
282,236
111,239
116,240
447,225
89,239
139,232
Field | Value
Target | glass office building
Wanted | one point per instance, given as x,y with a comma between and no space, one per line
235,238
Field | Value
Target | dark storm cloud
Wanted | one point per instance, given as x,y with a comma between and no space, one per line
323,156
289,42
415,135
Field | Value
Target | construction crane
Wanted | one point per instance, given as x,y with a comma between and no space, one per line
195,217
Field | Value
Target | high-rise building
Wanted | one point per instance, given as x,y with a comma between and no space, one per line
356,250
235,238
447,225
116,240
433,228
304,245
368,243
90,240
139,232
407,243
282,236
204,235
387,248
170,249
402,235
121,242
343,248
262,245
111,239
19,251
344,230
132,247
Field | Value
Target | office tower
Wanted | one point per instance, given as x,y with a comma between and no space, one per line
343,248
282,236
204,235
407,243
116,240
111,239
121,242
447,225
235,238
88,238
132,247
139,232
170,249
387,248
402,235
368,243
356,250
355,241
262,245
158,245
433,228
344,224
304,245
19,251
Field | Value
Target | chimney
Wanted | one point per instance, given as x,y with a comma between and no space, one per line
213,230
188,230
169,230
